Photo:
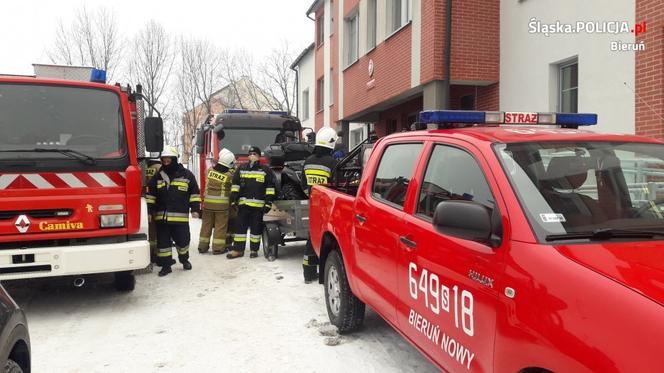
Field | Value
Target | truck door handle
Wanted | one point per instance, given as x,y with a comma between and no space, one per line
360,218
410,243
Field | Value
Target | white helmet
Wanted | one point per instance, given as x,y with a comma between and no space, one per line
169,151
226,158
326,137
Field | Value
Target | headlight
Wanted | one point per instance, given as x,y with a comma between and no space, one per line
112,221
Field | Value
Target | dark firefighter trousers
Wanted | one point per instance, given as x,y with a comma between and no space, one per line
217,220
167,234
248,217
310,263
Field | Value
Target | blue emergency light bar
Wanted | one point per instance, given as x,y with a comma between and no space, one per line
500,117
235,111
243,111
98,76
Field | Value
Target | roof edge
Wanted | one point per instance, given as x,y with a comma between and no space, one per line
301,56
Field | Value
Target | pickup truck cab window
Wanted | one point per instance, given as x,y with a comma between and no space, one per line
588,190
452,174
394,172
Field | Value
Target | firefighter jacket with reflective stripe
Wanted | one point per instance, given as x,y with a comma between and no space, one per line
253,186
217,188
318,169
170,197
150,172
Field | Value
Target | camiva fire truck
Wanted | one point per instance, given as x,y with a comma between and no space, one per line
70,179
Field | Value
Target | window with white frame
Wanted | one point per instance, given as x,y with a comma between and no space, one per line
305,104
320,31
320,90
352,24
331,87
569,87
372,15
398,12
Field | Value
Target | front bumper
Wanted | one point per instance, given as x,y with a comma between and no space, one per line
73,260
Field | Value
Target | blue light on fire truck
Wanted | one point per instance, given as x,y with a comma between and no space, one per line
235,111
98,76
499,117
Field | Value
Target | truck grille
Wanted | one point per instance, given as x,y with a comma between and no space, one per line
40,214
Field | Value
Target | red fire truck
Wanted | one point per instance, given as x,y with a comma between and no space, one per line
237,130
519,248
70,179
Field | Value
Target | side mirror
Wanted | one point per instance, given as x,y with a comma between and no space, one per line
311,137
219,130
200,141
154,134
464,219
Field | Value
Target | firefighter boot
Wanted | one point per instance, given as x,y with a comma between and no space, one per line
186,264
253,254
165,270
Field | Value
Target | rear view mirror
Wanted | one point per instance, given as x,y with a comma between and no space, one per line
154,134
219,130
464,219
200,141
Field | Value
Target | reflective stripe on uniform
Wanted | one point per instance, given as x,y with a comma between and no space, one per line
239,238
255,238
150,199
218,242
252,202
235,188
177,217
180,183
318,173
195,198
164,251
216,199
258,175
204,239
182,250
269,191
317,167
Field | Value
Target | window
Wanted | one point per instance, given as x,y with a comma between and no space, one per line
352,36
331,87
320,88
320,31
569,87
305,104
331,18
452,174
398,14
371,24
356,137
394,172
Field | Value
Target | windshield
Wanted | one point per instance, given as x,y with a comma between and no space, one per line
87,121
239,140
587,187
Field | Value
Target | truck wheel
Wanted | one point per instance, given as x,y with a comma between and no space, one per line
124,281
270,249
12,367
345,310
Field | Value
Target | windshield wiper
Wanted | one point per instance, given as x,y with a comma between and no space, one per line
604,234
84,158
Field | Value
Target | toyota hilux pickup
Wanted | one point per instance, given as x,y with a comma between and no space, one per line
502,242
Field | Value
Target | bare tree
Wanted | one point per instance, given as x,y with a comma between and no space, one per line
91,39
152,62
277,80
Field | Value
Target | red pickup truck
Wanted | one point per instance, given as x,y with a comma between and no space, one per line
521,248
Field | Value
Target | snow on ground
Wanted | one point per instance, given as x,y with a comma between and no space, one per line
242,315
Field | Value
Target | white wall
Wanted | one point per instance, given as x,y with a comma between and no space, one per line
528,79
307,80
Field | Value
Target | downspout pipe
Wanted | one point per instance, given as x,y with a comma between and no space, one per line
297,91
448,53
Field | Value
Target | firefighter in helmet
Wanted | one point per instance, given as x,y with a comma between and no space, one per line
216,202
318,169
154,165
253,190
172,193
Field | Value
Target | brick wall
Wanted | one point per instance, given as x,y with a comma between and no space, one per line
432,42
486,98
399,114
334,62
650,70
391,73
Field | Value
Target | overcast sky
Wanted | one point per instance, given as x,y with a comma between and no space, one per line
27,27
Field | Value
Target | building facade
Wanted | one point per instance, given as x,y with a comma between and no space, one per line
306,86
380,62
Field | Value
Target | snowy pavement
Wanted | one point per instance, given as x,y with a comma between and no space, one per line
243,315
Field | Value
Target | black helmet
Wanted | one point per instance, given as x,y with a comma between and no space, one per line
254,149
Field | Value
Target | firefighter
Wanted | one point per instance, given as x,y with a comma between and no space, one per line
253,191
318,169
154,165
216,204
171,194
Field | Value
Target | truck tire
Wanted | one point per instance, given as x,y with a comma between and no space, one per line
124,281
345,310
12,367
291,191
